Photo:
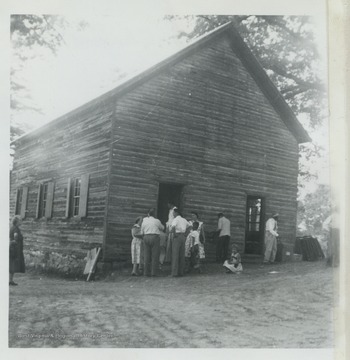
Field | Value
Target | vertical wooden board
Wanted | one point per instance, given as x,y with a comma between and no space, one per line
49,201
24,202
84,191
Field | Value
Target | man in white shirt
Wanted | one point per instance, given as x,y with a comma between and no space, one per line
222,245
178,227
271,239
150,229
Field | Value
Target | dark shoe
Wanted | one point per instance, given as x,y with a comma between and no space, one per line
12,283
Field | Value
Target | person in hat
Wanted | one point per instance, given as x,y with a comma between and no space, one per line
271,239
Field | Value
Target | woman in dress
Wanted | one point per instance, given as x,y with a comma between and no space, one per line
195,218
169,234
16,250
136,244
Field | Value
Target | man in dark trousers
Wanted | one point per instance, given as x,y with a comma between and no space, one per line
150,229
179,227
224,231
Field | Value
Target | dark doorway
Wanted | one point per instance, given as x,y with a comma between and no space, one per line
254,235
168,193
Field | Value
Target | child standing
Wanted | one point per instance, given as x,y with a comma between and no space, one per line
234,265
136,244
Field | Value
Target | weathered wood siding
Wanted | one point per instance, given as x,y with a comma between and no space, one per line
74,147
206,124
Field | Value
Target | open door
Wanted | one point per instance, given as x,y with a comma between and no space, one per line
168,193
254,235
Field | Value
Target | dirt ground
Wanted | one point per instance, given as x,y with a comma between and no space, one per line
284,306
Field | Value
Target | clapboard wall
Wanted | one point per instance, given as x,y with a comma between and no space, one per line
204,123
75,145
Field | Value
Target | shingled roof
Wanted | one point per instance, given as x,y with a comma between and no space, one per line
238,46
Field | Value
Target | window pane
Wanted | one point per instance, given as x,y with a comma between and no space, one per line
76,196
43,199
254,212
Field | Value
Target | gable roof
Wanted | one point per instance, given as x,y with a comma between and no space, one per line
238,46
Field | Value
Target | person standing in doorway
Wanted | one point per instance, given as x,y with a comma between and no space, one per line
179,228
169,234
150,230
16,250
271,236
224,230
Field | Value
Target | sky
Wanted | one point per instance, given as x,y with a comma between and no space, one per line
97,54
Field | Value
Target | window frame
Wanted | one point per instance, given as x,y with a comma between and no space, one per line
45,200
77,197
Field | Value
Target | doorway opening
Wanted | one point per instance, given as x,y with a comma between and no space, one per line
254,235
168,193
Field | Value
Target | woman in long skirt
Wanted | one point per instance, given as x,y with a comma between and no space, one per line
16,250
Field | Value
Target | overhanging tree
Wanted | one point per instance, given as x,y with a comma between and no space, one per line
29,35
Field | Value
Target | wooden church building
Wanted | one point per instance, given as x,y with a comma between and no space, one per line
205,128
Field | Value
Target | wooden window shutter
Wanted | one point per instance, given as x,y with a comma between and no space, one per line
23,210
84,190
38,201
68,201
49,200
17,211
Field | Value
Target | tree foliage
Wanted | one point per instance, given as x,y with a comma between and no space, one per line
29,34
314,212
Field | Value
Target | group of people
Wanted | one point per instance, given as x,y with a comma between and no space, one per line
180,242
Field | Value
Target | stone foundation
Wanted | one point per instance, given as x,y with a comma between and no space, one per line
65,264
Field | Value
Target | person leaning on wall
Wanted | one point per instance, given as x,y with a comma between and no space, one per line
16,250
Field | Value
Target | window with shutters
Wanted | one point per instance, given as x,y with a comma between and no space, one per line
77,196
21,202
45,200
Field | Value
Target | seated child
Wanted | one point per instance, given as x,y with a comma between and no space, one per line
234,264
192,248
